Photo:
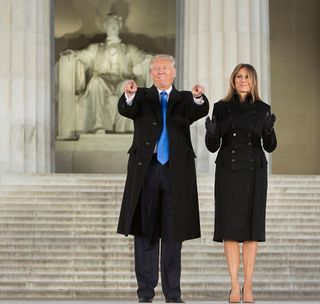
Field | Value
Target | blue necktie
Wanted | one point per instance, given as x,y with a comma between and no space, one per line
163,142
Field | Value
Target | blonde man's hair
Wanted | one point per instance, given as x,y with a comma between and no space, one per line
161,57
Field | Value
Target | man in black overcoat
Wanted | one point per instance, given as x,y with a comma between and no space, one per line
160,199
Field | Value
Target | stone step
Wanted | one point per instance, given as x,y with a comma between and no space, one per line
114,204
12,178
188,284
218,293
36,214
70,202
125,278
91,196
118,273
41,218
108,225
272,245
32,266
110,179
111,186
206,209
58,240
118,187
209,256
82,237
274,235
100,284
53,241
272,238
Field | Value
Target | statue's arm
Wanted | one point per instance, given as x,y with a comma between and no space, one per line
82,62
85,56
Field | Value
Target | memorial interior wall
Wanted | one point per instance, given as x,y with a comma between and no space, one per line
91,137
295,90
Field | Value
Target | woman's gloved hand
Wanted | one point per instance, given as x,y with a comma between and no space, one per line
211,125
269,123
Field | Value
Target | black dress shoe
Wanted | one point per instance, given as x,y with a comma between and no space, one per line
174,300
145,300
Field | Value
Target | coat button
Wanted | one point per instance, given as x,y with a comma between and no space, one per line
234,134
230,117
147,143
154,123
139,163
249,143
233,151
249,134
251,160
233,160
251,168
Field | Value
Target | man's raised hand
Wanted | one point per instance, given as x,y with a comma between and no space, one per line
130,88
197,91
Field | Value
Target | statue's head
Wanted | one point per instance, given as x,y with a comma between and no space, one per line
112,24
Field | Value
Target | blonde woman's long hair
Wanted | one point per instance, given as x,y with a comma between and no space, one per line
253,79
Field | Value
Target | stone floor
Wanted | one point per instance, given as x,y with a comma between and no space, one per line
131,302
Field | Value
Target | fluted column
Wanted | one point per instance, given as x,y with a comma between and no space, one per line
25,90
219,34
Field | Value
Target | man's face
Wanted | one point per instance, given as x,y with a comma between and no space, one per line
162,73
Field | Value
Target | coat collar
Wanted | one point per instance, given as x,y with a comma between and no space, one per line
153,95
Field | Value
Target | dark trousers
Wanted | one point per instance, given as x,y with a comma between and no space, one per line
156,214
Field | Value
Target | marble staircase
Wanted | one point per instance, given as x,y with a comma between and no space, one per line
58,241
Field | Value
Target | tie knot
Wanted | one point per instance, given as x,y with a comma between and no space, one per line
163,97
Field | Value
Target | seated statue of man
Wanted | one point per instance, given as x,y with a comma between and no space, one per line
92,80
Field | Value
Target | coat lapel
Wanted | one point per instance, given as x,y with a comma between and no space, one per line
153,96
174,97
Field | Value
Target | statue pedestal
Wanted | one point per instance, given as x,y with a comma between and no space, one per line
93,153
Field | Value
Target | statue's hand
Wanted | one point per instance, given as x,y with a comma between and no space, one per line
130,88
197,91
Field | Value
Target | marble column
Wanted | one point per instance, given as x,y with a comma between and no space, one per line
25,86
217,35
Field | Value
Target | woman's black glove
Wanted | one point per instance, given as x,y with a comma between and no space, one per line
211,126
269,123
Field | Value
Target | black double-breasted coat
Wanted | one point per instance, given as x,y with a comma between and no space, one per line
146,113
241,168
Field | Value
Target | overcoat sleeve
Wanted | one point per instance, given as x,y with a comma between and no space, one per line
130,111
197,111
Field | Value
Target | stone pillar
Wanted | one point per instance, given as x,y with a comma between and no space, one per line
25,86
219,34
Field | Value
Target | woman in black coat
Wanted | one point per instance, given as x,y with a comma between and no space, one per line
241,125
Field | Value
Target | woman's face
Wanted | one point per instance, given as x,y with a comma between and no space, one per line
242,81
